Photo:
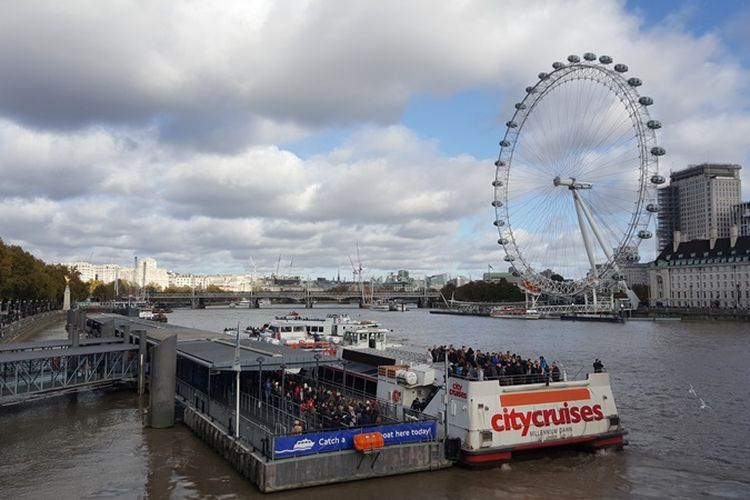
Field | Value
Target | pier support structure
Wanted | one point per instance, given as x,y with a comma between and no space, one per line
162,383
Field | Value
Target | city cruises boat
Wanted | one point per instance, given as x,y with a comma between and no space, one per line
514,313
493,422
490,420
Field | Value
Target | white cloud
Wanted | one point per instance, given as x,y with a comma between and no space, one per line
169,129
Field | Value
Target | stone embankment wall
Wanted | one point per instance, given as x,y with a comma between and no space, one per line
27,327
695,313
313,470
243,459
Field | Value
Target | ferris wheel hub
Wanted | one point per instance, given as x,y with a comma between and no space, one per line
571,183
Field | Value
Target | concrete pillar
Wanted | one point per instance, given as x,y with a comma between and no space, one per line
162,383
108,329
71,321
74,331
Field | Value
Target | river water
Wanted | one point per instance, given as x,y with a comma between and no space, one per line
682,443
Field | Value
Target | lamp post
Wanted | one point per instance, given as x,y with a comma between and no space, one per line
344,363
238,370
317,363
260,360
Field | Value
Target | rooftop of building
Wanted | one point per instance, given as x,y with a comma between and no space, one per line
712,169
702,249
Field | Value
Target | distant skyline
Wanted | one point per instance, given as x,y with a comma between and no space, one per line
215,138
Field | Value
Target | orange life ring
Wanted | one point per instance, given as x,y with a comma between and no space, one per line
396,396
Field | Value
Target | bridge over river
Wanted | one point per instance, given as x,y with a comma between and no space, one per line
199,298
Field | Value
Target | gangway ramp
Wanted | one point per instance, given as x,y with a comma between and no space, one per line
37,372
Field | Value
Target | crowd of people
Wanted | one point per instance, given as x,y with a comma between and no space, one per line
319,406
508,368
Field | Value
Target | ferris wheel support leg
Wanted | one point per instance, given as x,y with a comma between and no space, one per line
580,212
594,227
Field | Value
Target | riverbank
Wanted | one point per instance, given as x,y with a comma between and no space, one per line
31,326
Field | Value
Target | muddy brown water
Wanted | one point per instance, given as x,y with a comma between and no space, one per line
683,443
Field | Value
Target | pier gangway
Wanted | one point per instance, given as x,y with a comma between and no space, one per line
29,371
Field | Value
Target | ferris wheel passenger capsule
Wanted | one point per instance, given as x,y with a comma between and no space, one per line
530,90
498,222
621,68
652,207
653,124
658,151
502,241
605,60
509,258
505,143
497,183
633,257
644,234
511,124
520,105
658,179
499,163
574,58
589,56
557,65
497,203
645,101
635,82
543,75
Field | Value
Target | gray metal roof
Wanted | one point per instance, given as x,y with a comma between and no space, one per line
219,355
12,357
57,344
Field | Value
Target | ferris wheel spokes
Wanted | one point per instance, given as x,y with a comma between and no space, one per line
584,126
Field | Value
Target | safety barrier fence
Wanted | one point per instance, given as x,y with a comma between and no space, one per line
267,424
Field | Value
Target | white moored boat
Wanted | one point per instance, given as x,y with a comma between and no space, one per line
491,419
514,313
494,421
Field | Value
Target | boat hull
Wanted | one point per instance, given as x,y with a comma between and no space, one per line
493,457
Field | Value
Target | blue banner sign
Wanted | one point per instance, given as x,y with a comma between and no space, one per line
323,442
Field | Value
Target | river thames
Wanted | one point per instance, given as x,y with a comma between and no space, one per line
681,389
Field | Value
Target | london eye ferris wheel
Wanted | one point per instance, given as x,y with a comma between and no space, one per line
576,177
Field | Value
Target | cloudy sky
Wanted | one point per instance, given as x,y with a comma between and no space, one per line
214,136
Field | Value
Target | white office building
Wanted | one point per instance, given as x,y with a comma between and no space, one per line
700,203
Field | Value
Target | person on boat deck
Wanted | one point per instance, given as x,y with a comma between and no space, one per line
543,364
297,427
415,405
555,370
598,366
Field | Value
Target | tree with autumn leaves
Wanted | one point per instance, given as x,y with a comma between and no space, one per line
24,277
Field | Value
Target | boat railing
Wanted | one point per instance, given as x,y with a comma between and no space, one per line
516,379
